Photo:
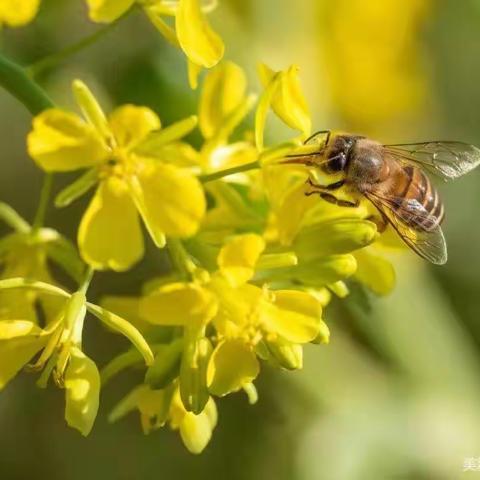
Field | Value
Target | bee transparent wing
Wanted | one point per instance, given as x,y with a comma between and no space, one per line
448,160
416,227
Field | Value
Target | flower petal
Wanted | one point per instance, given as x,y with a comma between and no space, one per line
16,13
288,101
237,259
12,329
108,10
295,316
179,304
223,91
200,43
232,365
16,353
109,235
236,304
375,272
300,302
289,203
196,431
82,392
131,124
62,141
172,201
20,340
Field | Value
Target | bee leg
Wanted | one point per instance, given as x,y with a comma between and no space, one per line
341,203
331,186
380,221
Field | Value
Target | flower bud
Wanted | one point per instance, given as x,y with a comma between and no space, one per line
193,374
334,237
288,355
166,365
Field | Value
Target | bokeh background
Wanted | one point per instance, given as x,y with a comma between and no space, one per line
396,395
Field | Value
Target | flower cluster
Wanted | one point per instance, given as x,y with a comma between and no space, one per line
254,261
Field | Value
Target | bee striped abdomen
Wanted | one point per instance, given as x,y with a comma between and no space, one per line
420,206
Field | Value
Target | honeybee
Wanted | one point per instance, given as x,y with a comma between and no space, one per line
394,178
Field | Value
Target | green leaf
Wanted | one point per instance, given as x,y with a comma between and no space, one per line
125,328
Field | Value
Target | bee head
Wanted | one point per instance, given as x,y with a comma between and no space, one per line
339,152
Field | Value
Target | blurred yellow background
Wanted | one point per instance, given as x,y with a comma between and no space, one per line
396,394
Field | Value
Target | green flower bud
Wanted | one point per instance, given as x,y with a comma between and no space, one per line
317,273
288,355
193,373
323,336
334,237
166,365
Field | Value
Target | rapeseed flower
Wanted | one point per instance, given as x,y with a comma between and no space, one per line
158,407
228,322
17,13
121,154
192,32
243,314
59,345
25,252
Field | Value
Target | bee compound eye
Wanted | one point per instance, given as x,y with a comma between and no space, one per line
337,163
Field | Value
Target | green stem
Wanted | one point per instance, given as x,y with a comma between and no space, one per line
43,203
86,280
210,177
54,59
15,80
180,258
13,219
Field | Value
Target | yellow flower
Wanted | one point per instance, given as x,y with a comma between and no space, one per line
224,104
60,344
125,155
245,316
16,13
26,259
20,340
158,407
192,33
284,95
25,253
